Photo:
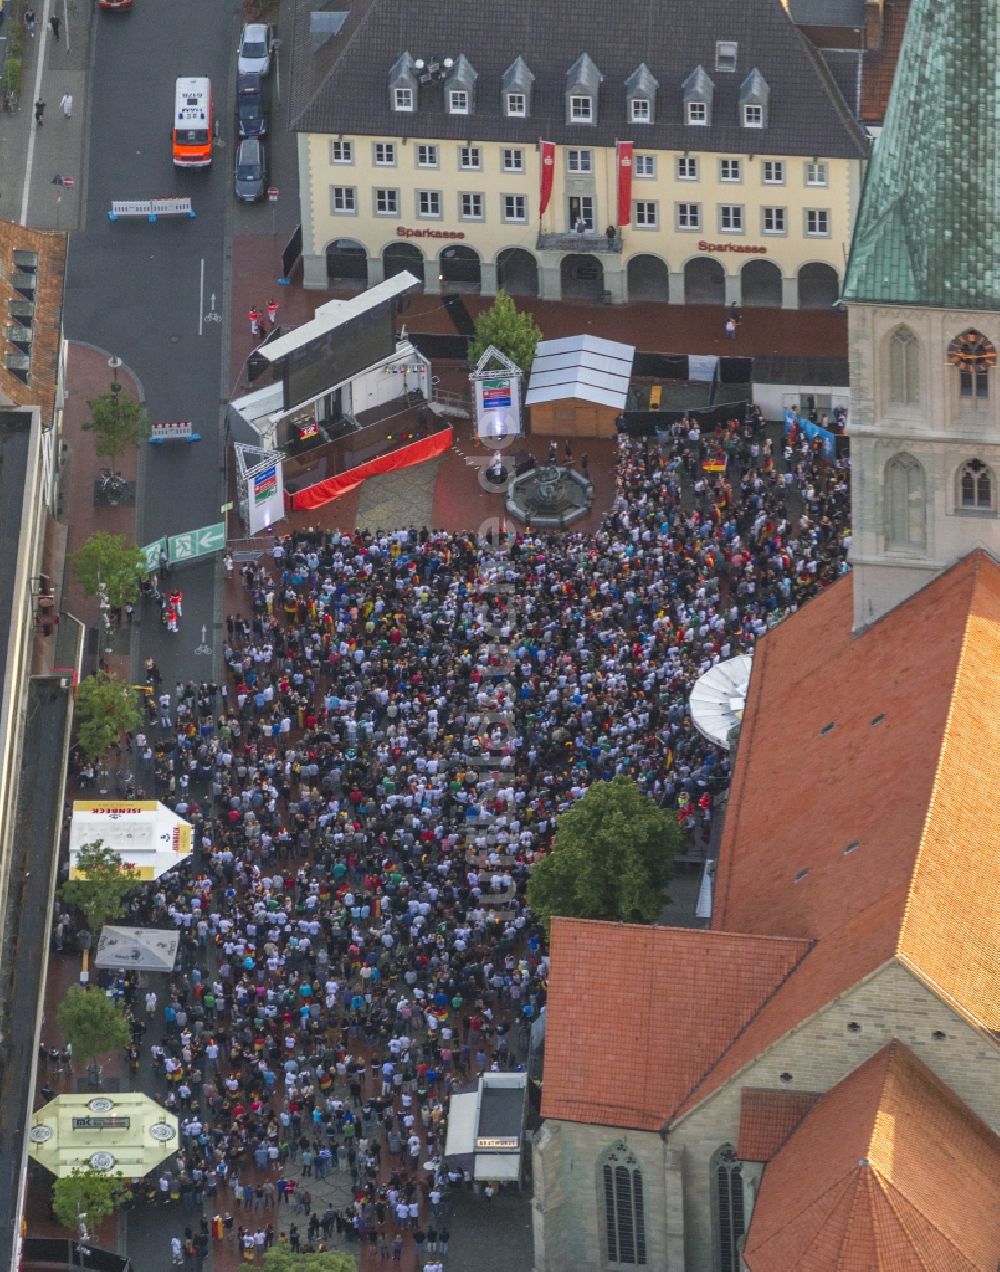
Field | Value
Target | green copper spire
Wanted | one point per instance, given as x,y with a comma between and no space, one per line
928,230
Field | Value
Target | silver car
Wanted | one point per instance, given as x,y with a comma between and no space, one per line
256,48
250,177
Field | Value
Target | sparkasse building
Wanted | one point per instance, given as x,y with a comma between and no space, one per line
693,152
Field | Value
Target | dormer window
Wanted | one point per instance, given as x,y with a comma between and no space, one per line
582,83
699,92
459,86
515,85
403,85
640,93
725,55
754,95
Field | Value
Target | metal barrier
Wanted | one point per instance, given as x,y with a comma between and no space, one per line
151,209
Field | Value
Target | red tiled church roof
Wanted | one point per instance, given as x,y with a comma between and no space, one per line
767,1118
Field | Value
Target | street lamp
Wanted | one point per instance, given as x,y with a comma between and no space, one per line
114,362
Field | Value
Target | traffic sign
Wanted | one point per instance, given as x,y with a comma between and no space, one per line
151,554
196,543
272,194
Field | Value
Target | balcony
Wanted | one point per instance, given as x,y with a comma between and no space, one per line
588,241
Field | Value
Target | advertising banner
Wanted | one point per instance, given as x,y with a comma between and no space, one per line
548,149
813,431
265,497
624,182
498,408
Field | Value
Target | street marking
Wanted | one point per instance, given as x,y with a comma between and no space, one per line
204,647
212,316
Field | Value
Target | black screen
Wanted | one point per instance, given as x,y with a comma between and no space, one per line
332,358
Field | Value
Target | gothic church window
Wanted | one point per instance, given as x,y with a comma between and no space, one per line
974,356
976,487
905,502
623,1204
728,1208
904,367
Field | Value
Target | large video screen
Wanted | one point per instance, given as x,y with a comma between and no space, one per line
336,356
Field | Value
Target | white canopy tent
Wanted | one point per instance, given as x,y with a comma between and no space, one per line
144,949
718,698
144,834
587,368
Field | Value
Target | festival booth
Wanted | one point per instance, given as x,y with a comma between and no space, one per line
143,833
579,386
486,1128
137,949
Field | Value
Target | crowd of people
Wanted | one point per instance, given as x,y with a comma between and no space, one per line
403,718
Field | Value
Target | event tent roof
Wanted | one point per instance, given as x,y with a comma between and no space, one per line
583,367
144,834
142,949
125,1134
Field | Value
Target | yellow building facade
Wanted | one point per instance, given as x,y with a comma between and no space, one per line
705,227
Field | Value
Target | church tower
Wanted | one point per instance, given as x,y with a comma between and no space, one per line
923,294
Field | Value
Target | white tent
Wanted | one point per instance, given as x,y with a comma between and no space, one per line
585,367
144,949
718,698
143,833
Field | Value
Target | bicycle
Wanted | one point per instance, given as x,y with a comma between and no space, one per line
11,100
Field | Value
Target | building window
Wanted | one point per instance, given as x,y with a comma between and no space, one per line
730,170
470,158
817,223
517,105
427,156
816,173
624,1208
580,160
689,216
343,200
644,165
581,110
753,116
728,1208
428,203
458,101
341,151
515,207
403,98
513,159
774,220
725,55
976,487
905,495
687,168
697,113
642,110
974,355
645,215
904,367
774,172
470,207
730,218
385,154
387,203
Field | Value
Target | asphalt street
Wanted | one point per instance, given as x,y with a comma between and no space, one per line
150,293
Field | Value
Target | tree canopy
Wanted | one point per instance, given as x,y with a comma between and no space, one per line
280,1258
117,421
105,709
111,560
610,859
509,329
94,1023
108,880
87,1196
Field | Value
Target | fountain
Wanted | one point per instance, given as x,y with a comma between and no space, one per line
550,496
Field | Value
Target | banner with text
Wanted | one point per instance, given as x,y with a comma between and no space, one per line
548,149
625,182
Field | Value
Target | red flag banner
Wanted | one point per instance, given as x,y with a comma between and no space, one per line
548,149
624,182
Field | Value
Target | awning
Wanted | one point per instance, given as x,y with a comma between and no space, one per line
144,949
499,1166
124,1134
144,834
463,1114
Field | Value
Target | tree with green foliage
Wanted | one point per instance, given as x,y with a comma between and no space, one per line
509,329
86,1196
282,1259
117,421
610,858
109,559
94,1023
106,881
105,709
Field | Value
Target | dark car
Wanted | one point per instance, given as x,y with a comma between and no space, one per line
251,112
250,183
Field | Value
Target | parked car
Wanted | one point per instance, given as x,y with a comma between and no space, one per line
250,181
256,47
251,111
115,4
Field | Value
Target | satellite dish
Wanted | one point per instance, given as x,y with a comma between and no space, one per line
718,698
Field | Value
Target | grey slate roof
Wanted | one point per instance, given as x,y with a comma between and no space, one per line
828,13
926,232
343,88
